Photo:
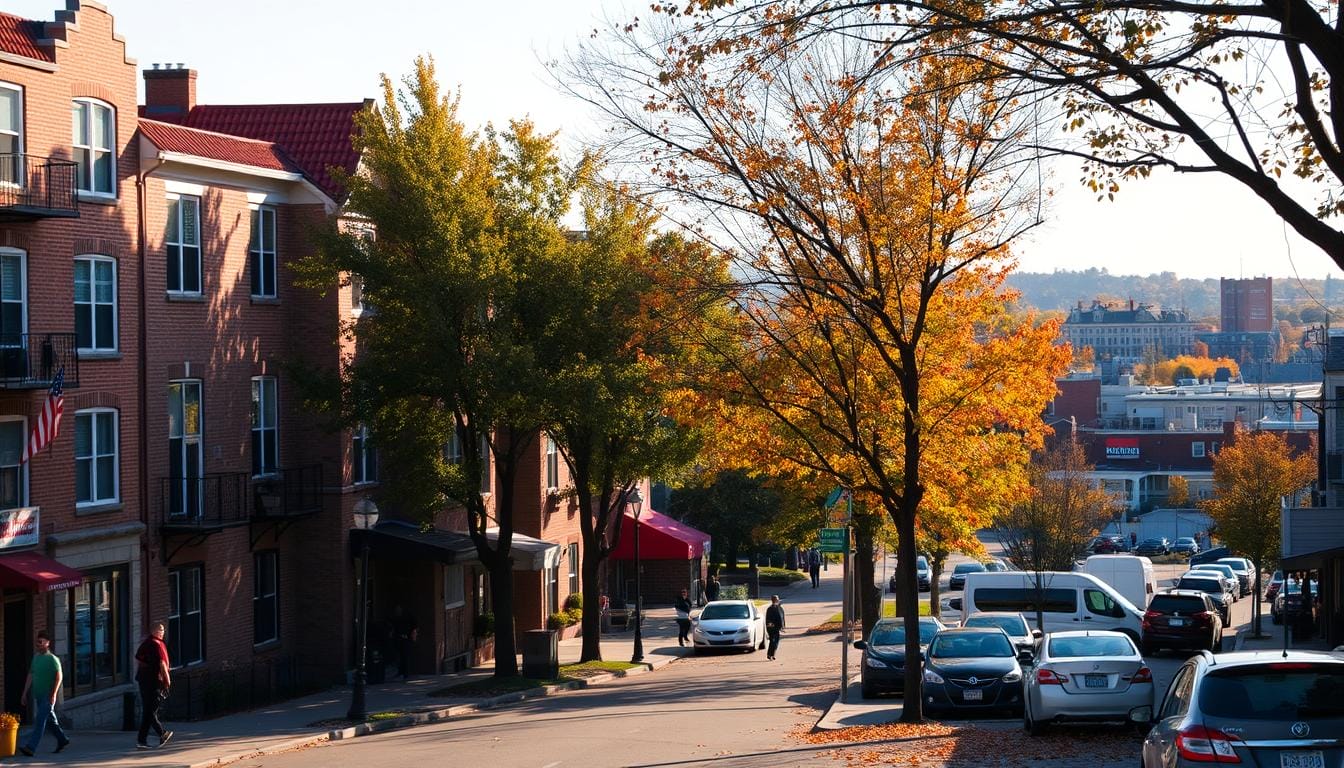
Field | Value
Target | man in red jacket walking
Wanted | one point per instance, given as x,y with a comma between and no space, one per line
153,676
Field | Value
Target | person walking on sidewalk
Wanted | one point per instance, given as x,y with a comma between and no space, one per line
683,608
712,588
43,684
774,624
814,566
154,679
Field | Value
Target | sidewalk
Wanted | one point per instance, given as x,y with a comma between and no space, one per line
292,723
1274,636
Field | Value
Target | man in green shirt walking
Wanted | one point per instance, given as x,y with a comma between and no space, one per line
43,683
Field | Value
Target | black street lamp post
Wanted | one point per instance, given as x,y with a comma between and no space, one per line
366,516
636,501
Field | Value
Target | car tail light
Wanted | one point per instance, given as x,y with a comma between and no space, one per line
1200,744
1144,675
1203,616
1148,618
1047,676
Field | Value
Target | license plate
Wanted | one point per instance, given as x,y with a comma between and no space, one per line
1177,622
978,695
1094,681
1301,760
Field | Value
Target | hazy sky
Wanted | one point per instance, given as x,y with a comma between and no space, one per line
249,51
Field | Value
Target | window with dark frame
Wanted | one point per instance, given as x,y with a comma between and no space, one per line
265,426
573,557
186,624
365,459
13,471
552,464
182,239
99,616
185,448
261,252
265,597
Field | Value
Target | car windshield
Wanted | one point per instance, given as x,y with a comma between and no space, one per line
725,611
1097,645
1210,585
1152,542
922,563
971,645
1185,540
995,567
968,568
1235,565
894,634
1013,625
1287,691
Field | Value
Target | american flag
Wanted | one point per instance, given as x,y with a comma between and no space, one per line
49,423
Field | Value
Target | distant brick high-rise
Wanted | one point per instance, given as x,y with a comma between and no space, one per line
1247,304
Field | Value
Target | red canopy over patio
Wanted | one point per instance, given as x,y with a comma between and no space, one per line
660,538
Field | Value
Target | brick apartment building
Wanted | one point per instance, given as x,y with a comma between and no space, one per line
144,255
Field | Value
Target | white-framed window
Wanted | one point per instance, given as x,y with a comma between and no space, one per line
454,586
1197,449
552,464
186,451
96,304
365,457
13,300
552,588
11,134
94,129
487,471
182,236
265,429
186,625
265,597
261,252
573,557
452,450
13,472
97,467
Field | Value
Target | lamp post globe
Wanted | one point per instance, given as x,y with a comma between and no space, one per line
365,514
636,501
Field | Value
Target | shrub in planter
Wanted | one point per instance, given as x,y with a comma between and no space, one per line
574,614
558,620
574,602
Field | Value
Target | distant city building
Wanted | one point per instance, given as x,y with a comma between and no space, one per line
1126,332
1247,305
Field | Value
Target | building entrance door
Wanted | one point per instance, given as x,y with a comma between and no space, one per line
18,650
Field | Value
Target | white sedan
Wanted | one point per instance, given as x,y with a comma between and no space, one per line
729,624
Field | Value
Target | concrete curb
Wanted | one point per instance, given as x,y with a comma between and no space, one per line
271,749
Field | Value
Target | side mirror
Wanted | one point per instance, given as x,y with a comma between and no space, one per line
1036,633
1025,657
1141,715
860,644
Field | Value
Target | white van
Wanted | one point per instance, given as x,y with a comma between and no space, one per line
1130,575
1072,600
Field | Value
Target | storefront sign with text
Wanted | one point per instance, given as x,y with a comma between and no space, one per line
1122,447
18,527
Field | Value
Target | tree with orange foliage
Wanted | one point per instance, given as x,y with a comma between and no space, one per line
1186,366
1250,478
871,223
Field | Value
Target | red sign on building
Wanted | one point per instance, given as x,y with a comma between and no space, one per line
1122,447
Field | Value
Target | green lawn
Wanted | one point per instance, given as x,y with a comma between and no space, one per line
493,686
888,612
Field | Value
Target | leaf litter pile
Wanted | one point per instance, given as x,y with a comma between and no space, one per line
933,745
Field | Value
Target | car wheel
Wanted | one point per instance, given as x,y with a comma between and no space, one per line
1032,727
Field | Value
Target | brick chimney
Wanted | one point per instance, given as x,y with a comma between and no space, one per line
170,92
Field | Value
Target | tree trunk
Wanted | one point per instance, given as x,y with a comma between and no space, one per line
935,573
907,584
1255,603
868,598
592,606
501,602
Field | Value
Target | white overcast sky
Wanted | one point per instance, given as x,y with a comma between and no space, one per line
255,51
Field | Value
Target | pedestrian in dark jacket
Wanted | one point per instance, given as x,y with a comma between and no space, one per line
683,608
774,624
154,677
712,589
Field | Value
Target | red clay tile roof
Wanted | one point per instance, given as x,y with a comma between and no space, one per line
19,37
217,146
316,136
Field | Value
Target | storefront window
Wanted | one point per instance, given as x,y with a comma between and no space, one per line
100,626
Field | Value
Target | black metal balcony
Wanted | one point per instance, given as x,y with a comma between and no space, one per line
289,493
35,187
32,360
199,505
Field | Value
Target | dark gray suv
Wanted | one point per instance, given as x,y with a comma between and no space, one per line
1264,708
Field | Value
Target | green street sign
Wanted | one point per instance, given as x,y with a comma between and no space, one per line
833,540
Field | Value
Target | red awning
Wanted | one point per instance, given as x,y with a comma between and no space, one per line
660,538
38,573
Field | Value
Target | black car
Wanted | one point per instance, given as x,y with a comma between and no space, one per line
1213,586
1150,547
1182,619
958,578
971,669
884,654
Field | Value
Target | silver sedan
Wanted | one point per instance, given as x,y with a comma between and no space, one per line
1086,676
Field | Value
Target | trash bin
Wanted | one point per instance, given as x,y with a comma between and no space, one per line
541,654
